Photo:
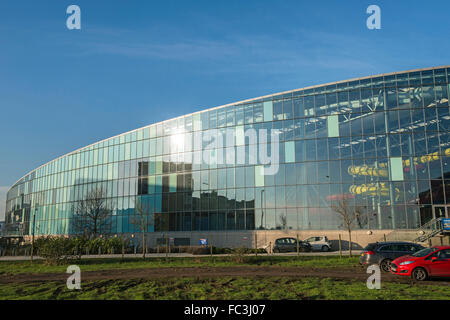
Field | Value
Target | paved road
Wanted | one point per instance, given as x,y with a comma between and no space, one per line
185,255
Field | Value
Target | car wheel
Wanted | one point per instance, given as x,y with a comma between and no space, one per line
419,274
325,248
385,265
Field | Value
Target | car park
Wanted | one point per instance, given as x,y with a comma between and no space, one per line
290,245
383,253
319,243
429,262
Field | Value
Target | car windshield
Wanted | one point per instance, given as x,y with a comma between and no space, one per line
424,252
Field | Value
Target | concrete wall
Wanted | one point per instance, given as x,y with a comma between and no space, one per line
441,240
234,239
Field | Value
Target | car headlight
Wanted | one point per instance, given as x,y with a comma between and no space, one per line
405,263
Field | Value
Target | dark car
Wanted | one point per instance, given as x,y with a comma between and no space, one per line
290,245
383,253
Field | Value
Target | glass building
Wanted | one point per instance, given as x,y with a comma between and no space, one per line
381,141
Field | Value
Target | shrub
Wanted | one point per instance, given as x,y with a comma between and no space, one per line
190,249
238,255
200,250
56,250
113,245
105,245
79,244
222,250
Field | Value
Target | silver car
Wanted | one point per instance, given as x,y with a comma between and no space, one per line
319,243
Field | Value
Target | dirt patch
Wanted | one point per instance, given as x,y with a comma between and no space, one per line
352,273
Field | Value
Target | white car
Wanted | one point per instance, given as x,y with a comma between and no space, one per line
319,243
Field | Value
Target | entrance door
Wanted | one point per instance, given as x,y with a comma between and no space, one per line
441,212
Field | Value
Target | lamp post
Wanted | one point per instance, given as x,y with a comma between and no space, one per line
123,246
32,233
112,247
262,210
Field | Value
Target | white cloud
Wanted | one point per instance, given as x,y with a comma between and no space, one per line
3,191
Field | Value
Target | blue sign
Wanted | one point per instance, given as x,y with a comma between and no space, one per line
446,225
203,242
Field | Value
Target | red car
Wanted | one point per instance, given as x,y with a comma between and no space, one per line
429,262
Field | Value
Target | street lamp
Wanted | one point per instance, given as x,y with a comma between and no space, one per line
134,243
32,233
262,210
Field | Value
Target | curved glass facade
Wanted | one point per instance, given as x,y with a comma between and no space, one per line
381,141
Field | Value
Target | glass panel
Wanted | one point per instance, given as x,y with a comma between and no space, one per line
268,111
278,110
396,169
259,176
173,183
289,148
333,126
197,122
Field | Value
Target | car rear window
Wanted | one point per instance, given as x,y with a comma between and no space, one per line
370,247
386,248
399,247
408,248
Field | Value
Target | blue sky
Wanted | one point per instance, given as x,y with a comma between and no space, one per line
134,63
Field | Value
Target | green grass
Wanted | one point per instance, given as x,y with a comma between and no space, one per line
38,266
225,288
272,288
